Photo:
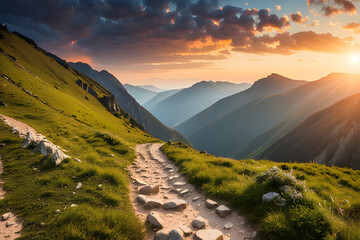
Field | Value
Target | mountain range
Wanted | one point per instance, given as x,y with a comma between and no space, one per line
190,101
140,94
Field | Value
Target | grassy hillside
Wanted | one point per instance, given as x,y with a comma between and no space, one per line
75,120
329,137
328,209
272,84
126,101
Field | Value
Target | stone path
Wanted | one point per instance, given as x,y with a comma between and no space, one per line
10,225
174,207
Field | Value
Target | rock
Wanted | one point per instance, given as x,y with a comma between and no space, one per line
78,160
184,192
155,220
73,205
199,223
186,230
153,203
6,216
179,184
2,145
112,155
57,211
161,235
223,211
47,148
168,167
209,234
78,186
58,157
147,190
195,199
176,234
139,182
211,204
228,225
28,140
142,199
175,204
285,188
269,197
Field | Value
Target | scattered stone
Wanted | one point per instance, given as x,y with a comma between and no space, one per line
195,199
57,211
153,203
186,230
173,204
112,155
58,157
223,211
73,205
2,145
6,216
228,225
176,190
28,140
209,234
179,184
184,192
199,223
142,199
147,190
139,182
78,160
176,234
279,201
143,170
155,220
168,167
78,186
269,197
161,235
211,204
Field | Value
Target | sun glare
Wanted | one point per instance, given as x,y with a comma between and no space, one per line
355,59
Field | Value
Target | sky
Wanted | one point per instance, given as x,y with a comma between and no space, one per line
175,43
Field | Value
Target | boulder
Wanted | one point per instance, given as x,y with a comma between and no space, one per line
28,140
47,148
211,204
142,199
199,223
153,203
58,156
175,204
209,234
161,235
223,211
176,234
270,196
147,190
155,220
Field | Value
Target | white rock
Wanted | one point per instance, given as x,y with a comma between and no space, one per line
6,216
211,204
47,148
186,230
28,140
199,223
195,199
58,156
73,205
79,185
228,225
155,220
209,234
142,199
179,184
270,196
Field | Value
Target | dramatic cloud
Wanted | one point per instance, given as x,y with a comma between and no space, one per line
355,27
334,7
172,32
298,18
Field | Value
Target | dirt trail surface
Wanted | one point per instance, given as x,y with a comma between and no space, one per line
153,168
20,128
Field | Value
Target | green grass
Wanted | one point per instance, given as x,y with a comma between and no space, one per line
323,213
76,121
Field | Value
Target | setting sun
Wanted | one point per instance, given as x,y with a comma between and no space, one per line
355,59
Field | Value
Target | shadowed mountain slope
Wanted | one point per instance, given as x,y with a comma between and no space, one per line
141,95
129,104
330,136
159,97
266,86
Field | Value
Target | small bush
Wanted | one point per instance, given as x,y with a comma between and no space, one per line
276,227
